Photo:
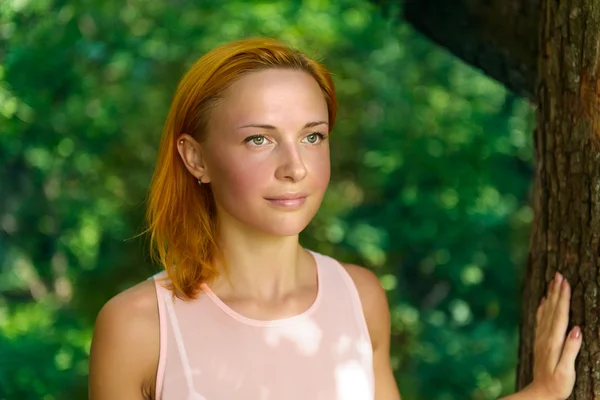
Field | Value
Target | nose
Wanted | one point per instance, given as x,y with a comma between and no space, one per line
291,167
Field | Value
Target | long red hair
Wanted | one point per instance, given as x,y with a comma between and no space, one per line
181,213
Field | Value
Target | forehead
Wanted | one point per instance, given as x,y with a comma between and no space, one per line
274,96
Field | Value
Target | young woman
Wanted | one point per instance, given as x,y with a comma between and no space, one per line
242,311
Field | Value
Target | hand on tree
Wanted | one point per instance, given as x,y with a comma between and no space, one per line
554,351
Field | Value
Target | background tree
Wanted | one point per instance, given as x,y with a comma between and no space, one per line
497,36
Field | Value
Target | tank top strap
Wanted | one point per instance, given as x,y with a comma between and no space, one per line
167,312
172,316
331,274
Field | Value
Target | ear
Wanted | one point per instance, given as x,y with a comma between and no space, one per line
191,154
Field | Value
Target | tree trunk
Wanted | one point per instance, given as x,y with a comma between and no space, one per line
566,228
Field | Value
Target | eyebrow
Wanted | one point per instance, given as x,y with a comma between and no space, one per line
271,127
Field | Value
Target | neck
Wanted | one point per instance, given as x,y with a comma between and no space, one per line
257,265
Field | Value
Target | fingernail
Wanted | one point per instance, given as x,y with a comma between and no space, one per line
559,277
542,302
551,285
575,333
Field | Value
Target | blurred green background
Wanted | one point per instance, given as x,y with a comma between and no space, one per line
432,166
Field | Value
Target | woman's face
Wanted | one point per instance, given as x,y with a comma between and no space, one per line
266,154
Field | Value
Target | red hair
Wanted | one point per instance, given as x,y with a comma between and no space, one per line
181,213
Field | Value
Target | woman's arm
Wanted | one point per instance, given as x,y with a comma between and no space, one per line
125,346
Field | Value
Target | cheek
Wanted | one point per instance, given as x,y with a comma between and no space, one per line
320,170
238,176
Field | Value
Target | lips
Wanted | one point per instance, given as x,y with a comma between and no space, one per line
289,200
288,196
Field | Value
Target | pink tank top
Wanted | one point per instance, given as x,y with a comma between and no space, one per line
208,351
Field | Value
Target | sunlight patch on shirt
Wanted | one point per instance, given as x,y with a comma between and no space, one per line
306,336
351,381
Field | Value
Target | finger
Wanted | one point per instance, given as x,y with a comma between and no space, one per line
538,321
538,315
547,312
560,322
560,317
554,296
566,365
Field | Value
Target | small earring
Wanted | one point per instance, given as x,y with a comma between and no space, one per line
200,181
181,141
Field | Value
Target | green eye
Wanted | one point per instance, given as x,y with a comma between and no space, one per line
315,138
256,140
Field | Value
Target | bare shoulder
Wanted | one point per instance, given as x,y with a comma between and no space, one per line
131,308
125,345
374,301
372,294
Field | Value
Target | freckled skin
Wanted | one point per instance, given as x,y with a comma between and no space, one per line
288,159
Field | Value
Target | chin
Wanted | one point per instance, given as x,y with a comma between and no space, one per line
278,223
287,225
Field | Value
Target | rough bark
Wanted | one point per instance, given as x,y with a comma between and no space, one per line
497,36
566,228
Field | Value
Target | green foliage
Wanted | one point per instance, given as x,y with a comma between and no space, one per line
431,167
44,352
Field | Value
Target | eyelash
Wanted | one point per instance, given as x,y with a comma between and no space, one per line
321,136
